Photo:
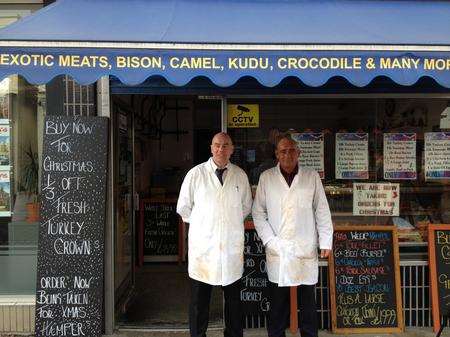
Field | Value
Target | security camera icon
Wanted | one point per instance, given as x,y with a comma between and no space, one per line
243,108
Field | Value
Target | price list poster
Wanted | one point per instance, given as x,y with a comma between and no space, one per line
399,156
352,156
437,155
69,288
311,151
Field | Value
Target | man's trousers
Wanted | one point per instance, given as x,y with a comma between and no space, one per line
199,309
278,319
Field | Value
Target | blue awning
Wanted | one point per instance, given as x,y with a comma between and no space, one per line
225,40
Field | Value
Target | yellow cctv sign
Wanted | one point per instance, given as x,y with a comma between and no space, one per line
243,116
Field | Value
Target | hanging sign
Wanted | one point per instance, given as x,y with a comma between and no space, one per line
311,151
243,116
352,159
437,155
373,199
399,154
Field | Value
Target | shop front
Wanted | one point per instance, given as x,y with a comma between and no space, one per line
366,101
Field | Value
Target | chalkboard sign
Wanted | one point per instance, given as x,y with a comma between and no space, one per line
254,293
439,262
69,291
365,280
160,226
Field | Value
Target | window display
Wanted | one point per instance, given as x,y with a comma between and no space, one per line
384,142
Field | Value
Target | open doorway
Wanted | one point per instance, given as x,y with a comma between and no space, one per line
157,140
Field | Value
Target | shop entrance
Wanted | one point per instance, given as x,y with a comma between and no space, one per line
157,139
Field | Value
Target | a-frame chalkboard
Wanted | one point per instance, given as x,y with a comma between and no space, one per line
69,289
439,263
365,280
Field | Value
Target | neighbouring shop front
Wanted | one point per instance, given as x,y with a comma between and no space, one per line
370,113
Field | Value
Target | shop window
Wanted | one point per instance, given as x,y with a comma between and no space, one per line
382,161
22,110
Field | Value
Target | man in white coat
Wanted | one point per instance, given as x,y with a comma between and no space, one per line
292,218
215,198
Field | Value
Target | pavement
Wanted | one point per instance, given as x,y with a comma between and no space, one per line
409,332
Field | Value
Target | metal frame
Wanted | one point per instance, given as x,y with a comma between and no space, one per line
224,113
416,309
104,109
224,46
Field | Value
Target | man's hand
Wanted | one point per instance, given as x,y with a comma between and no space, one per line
324,253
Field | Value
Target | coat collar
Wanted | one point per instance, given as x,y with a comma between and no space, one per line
214,167
211,167
281,177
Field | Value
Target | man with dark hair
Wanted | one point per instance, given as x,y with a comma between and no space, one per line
215,198
292,218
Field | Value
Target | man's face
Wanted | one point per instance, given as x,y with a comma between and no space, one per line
221,149
287,154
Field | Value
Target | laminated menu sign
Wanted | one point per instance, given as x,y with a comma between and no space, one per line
376,199
69,288
365,280
311,151
4,147
399,156
352,158
437,155
5,194
254,291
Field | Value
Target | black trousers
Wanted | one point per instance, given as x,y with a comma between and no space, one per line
199,309
278,319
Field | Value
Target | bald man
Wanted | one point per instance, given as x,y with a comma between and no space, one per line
293,220
215,198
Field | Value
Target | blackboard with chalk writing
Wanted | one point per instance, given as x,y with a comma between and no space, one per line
365,280
439,262
160,223
254,291
69,290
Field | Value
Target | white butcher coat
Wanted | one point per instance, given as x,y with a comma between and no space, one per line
292,222
215,214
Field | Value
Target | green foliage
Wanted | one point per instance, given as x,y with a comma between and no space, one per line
30,173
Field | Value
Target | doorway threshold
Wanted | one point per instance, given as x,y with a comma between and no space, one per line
146,329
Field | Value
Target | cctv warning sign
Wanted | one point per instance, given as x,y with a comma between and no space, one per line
243,116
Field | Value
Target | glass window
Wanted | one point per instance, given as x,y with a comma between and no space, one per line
359,145
22,110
